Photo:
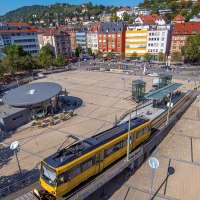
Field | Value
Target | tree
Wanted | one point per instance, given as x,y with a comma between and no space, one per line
46,56
61,61
176,56
114,18
14,50
191,50
126,17
89,50
99,54
78,50
147,56
17,59
161,56
134,56
110,55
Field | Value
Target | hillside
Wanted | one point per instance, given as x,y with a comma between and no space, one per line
185,8
51,13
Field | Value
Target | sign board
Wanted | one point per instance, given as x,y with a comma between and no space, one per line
153,163
168,105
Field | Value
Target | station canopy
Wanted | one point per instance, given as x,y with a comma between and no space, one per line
162,92
31,94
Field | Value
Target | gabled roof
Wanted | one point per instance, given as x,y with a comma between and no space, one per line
150,19
178,17
54,31
186,28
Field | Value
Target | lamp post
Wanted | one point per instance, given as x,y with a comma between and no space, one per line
14,147
123,79
154,164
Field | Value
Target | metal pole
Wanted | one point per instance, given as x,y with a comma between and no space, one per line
169,107
79,64
128,140
123,88
18,162
152,178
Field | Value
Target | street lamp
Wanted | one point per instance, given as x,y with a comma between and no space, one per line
154,164
123,79
14,147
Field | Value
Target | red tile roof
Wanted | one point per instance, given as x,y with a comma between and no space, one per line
178,17
150,19
19,24
187,28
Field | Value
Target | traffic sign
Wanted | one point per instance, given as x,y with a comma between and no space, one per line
153,163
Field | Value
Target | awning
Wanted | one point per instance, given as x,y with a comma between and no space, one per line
162,92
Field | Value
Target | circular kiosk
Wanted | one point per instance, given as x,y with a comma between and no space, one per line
40,98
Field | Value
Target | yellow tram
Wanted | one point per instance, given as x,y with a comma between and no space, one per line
67,168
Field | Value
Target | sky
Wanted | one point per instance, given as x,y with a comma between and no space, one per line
6,5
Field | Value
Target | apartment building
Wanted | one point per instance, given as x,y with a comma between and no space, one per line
178,19
180,34
21,34
111,38
105,17
136,40
152,19
158,40
81,39
92,37
58,40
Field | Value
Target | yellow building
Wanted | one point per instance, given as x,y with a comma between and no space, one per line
136,40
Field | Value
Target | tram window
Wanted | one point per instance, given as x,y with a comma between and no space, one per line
74,172
124,142
146,129
139,133
109,151
117,147
86,165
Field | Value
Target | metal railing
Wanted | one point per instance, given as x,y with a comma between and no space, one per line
138,107
19,184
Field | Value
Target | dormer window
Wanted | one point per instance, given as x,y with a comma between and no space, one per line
194,31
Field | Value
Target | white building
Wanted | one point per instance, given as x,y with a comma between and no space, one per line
195,18
144,12
121,12
164,11
21,34
158,40
81,39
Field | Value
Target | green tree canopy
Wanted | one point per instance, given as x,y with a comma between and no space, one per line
191,50
161,56
14,50
61,61
110,55
126,17
17,59
134,56
46,56
78,50
99,54
89,50
176,56
147,56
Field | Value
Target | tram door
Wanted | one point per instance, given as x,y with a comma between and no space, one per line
99,162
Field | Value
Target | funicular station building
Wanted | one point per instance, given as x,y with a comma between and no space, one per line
29,102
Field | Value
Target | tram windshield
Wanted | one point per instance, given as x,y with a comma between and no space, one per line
48,174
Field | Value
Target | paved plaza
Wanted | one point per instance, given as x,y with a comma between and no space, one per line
103,103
